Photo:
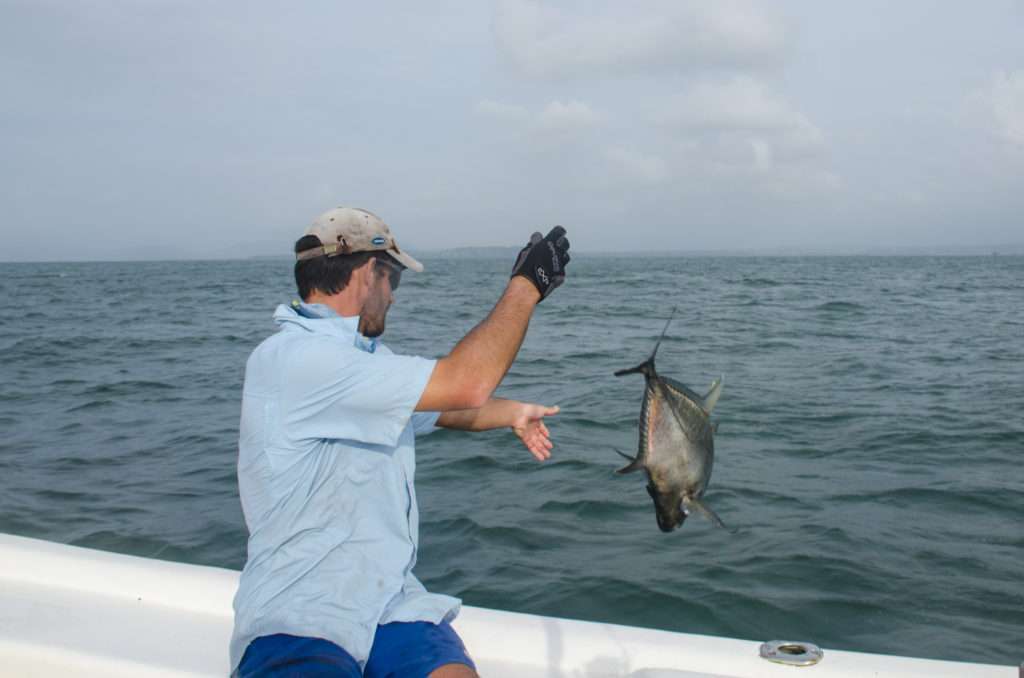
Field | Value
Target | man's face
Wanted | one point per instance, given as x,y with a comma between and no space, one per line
384,277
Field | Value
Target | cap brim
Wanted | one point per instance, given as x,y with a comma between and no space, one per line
405,260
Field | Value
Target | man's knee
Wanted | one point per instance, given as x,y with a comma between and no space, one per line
454,671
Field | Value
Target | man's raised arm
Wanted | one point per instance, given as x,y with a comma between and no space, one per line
466,377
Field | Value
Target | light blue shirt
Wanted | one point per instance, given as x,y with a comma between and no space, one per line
326,458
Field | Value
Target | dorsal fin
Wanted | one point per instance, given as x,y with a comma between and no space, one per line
711,399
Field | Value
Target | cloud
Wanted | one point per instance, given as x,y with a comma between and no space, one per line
741,104
556,119
568,116
623,38
740,130
637,165
1005,98
735,134
501,111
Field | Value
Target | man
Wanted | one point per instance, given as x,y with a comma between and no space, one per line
327,456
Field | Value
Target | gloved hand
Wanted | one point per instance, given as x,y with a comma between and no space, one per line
543,261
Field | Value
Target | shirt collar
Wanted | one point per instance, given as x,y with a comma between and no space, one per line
339,324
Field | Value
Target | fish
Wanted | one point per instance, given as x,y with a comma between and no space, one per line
677,443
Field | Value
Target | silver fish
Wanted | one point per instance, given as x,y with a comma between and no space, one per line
677,444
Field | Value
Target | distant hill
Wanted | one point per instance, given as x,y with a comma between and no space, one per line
492,252
510,252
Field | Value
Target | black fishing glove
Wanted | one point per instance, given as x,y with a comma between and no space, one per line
543,261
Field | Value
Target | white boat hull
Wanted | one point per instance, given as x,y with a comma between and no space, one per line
69,611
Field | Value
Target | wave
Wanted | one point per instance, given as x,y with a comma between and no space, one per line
589,508
92,405
841,307
126,388
985,501
755,282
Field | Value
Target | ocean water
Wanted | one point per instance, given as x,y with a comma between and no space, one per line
870,447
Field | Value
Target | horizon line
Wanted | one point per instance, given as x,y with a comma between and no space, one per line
497,250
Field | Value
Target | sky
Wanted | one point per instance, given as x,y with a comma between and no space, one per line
156,129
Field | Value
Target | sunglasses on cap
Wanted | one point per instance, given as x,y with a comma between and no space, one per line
393,270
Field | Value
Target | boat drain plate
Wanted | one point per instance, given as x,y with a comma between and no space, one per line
793,653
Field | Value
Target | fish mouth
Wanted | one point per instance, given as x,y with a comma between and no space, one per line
669,523
670,526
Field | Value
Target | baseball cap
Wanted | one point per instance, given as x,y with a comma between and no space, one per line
347,230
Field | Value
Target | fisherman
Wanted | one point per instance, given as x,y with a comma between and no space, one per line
327,456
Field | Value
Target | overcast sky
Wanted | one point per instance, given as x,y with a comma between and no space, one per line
153,129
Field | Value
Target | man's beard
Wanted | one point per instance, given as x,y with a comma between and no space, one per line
373,315
372,332
371,327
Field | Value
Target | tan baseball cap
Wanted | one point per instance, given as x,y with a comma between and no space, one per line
347,230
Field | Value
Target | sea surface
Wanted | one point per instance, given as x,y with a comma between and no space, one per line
870,450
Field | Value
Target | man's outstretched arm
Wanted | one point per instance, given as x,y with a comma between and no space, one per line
525,419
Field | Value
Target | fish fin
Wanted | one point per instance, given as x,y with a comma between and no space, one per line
711,399
667,323
649,363
632,370
710,515
664,388
682,389
633,465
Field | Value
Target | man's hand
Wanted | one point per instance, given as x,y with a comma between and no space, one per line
525,419
543,261
528,424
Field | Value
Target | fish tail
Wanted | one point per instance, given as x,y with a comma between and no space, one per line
642,368
646,368
658,344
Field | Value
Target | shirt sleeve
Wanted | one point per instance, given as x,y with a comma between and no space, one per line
351,394
424,423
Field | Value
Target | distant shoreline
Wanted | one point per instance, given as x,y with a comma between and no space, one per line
1006,250
499,252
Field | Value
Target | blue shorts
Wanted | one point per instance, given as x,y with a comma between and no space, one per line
400,650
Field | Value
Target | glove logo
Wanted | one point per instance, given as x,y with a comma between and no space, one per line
543,276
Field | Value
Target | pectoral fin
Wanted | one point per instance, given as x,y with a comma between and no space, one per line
710,515
634,463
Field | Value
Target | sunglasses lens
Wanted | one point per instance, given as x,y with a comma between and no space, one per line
394,273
